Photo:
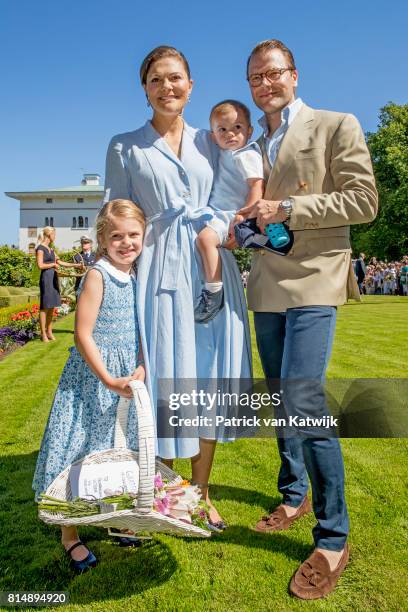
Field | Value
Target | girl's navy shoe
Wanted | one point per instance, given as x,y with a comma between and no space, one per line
84,564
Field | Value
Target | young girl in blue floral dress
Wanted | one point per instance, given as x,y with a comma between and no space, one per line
107,354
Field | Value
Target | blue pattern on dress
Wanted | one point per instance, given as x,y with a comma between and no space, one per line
82,417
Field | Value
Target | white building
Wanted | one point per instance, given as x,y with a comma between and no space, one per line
71,210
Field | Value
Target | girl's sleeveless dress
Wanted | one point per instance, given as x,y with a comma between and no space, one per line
82,417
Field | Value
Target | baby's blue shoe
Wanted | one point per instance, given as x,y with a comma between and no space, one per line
208,305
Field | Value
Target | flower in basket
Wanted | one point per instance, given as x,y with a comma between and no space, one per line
180,500
162,504
158,482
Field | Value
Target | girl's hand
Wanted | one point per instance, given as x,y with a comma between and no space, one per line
121,386
139,373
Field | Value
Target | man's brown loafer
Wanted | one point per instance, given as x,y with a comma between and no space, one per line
314,579
279,521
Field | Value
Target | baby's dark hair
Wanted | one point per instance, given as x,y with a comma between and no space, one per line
223,106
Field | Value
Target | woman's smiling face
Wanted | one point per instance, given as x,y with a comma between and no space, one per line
168,86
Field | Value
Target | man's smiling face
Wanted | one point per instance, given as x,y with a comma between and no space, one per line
272,96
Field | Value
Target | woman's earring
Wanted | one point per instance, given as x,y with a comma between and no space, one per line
148,101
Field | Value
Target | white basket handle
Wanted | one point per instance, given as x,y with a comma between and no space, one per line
146,437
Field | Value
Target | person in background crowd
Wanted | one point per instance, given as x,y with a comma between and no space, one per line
48,263
360,269
86,256
404,276
387,280
378,280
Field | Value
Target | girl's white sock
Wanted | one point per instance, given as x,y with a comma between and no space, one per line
213,287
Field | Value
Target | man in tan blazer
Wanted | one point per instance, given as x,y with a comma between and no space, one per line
319,180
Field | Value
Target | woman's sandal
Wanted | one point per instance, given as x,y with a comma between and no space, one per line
84,564
217,526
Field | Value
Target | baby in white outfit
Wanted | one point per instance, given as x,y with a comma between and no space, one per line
239,182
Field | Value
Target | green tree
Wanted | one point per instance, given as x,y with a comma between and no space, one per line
243,257
387,236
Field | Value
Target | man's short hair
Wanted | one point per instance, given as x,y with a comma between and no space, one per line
268,45
222,107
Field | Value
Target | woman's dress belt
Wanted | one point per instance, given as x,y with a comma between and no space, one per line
176,216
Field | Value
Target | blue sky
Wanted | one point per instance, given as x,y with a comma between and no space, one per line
70,71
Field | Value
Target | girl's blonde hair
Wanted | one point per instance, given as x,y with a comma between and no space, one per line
46,233
115,208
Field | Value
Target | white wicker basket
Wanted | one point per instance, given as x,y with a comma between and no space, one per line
142,518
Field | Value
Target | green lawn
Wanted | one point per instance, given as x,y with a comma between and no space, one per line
240,569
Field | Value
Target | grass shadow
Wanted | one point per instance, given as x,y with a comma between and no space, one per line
32,558
246,496
242,535
279,542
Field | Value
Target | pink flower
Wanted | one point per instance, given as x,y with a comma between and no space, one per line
158,482
161,505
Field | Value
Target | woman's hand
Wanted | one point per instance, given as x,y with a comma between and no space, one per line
139,373
121,386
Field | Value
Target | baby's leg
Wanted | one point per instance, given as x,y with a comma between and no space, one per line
208,244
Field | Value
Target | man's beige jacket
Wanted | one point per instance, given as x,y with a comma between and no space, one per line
324,165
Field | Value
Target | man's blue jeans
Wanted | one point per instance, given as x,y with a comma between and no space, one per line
296,344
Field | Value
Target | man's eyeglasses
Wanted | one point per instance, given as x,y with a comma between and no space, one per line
255,80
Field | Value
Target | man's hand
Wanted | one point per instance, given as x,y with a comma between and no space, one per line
265,211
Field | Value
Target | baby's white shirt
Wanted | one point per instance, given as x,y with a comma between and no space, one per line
230,188
248,160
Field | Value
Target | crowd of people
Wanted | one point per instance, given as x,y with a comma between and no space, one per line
382,277
375,278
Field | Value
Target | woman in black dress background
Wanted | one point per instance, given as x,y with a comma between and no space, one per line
50,298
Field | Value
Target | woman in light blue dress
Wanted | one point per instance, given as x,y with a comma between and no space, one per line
167,168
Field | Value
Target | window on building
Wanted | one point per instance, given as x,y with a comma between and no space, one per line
47,221
32,232
48,200
80,200
31,248
52,221
86,222
80,222
74,222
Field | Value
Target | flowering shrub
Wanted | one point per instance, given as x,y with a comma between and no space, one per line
15,267
7,311
23,326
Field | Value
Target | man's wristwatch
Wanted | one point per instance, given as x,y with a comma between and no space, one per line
286,206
